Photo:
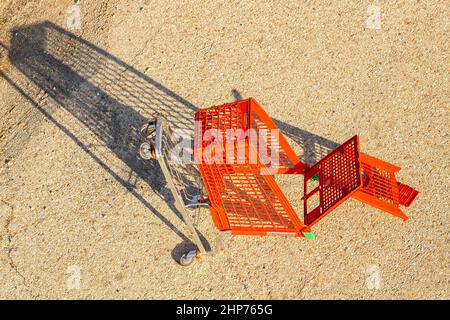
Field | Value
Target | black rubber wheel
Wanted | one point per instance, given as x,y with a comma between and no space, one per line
145,151
186,259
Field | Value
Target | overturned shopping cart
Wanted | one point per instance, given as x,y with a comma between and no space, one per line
238,150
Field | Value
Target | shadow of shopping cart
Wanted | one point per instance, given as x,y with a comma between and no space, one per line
110,101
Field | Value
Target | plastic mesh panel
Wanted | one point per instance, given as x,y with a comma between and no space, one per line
243,199
338,176
380,187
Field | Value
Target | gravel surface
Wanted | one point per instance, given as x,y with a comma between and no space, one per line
76,203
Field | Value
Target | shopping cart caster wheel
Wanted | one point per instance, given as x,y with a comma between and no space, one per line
146,151
187,258
148,129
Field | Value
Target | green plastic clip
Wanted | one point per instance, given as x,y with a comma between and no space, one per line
310,235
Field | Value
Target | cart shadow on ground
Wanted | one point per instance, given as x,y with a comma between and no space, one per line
110,101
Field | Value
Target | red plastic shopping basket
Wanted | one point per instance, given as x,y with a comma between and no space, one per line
238,149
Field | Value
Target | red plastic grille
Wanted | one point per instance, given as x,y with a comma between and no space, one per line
243,198
380,187
276,150
334,179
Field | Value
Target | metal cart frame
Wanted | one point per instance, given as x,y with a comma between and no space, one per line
157,146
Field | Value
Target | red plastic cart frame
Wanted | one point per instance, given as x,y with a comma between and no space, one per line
244,197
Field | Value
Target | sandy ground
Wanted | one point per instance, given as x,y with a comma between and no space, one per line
76,200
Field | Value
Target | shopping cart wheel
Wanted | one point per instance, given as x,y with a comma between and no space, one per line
187,258
146,151
148,129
